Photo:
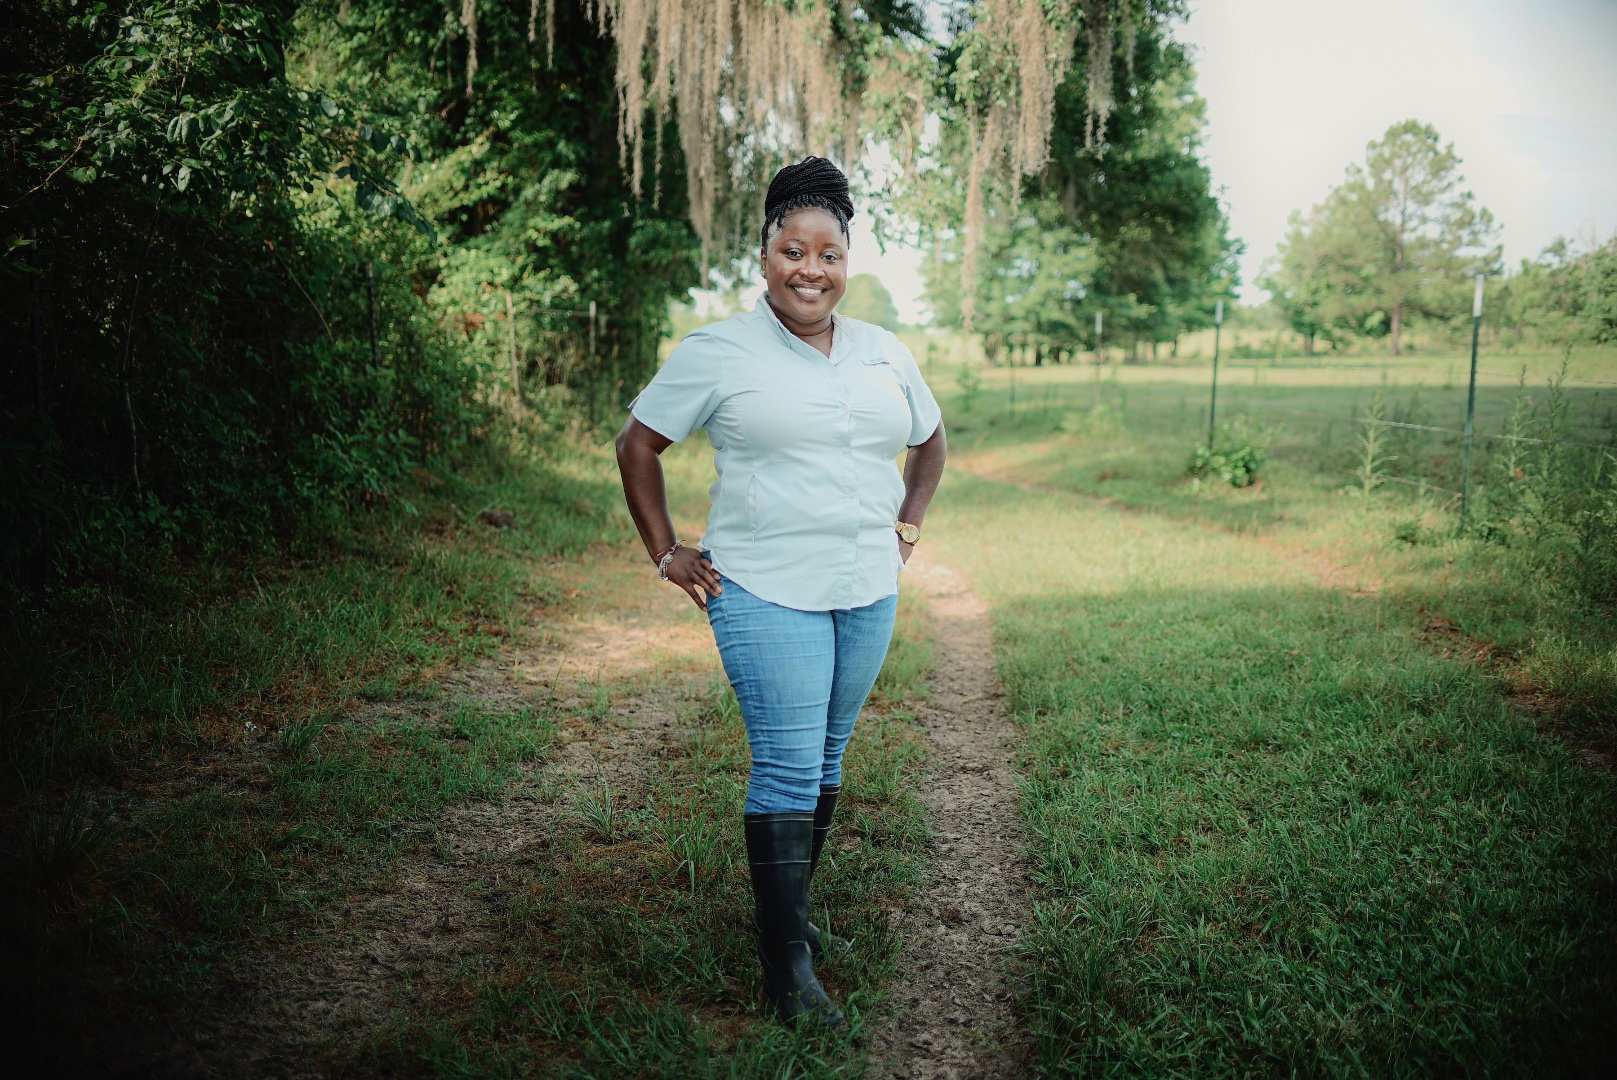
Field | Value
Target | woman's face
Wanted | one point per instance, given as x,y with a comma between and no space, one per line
806,267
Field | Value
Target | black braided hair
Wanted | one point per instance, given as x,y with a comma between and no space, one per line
812,184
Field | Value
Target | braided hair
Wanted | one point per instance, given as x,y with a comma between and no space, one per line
812,184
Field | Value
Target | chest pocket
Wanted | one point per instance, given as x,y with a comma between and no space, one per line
884,379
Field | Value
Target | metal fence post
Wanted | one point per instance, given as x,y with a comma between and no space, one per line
594,375
1470,407
1212,405
1097,358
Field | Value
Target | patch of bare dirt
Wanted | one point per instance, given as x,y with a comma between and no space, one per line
957,983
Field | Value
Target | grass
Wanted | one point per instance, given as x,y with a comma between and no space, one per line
627,946
1280,825
247,751
188,767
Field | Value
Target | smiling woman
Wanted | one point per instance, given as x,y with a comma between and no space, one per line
811,523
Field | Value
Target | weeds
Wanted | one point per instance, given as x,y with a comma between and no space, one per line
58,852
598,811
299,738
1239,450
1373,456
970,384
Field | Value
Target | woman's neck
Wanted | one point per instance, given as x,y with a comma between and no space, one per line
810,332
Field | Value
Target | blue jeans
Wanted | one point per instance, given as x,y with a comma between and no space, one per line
801,678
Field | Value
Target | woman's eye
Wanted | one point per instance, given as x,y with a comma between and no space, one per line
792,253
831,255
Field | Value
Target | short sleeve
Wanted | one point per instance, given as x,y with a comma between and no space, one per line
681,397
924,411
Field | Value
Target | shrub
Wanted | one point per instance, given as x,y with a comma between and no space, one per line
1239,450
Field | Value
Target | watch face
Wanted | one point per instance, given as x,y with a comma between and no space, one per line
909,533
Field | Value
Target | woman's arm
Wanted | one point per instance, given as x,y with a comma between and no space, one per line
639,465
923,468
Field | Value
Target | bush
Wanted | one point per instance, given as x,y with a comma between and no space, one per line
1239,450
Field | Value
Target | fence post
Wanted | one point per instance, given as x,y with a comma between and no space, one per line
370,304
1010,361
1097,358
511,337
1212,405
594,375
1470,407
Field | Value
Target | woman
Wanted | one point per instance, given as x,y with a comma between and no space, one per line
810,524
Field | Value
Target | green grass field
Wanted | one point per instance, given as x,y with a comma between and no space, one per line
1289,812
1314,784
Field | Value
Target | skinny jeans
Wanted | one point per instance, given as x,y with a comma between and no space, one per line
801,678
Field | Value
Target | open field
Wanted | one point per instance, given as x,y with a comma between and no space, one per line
1311,784
1312,787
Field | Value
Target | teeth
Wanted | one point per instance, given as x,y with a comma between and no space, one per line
807,291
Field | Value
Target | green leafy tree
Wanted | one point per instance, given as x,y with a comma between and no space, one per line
1399,237
1301,278
868,299
1561,297
1131,228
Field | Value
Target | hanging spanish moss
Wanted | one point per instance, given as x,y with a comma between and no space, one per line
1013,59
749,83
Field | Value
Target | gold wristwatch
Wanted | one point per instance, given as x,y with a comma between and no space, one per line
910,534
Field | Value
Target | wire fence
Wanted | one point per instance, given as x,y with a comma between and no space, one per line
1484,434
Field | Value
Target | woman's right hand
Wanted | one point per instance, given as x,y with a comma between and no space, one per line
695,575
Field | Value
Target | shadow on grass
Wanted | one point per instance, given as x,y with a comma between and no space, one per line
203,698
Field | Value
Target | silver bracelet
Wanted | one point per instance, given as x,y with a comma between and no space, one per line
662,565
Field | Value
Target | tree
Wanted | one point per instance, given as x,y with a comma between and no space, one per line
1398,237
1299,276
1134,230
868,299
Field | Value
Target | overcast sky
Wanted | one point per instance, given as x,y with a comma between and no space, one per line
1527,92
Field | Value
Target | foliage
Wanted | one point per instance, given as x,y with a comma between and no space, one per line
868,299
1270,757
1562,297
1239,450
1135,233
1555,496
720,73
1398,237
267,259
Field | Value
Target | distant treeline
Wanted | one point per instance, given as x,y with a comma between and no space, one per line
1401,240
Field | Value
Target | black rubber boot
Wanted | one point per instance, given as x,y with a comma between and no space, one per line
823,942
780,854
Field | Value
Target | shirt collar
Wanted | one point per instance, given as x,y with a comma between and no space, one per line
839,337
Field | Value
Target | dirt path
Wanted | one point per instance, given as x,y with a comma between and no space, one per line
616,679
957,984
619,679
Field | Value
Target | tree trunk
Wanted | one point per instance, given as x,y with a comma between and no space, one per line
1308,344
1397,327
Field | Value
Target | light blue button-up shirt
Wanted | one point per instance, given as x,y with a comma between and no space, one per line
805,447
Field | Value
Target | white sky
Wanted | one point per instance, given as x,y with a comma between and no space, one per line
1527,92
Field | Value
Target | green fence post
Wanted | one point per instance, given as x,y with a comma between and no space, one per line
1212,406
1470,407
